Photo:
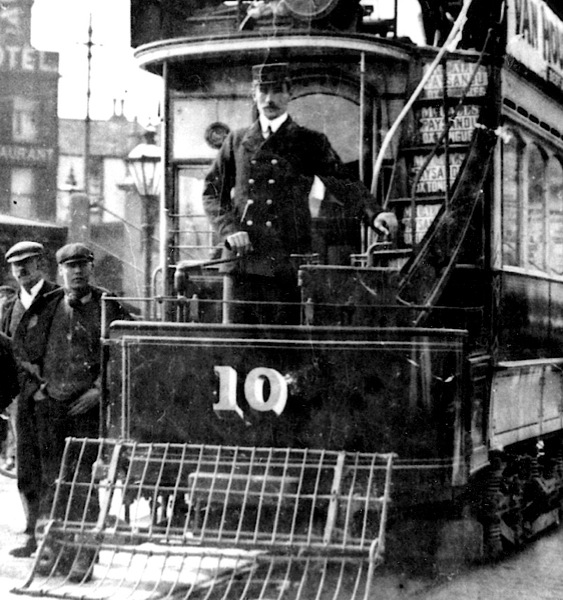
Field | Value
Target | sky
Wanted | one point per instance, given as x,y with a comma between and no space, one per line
62,26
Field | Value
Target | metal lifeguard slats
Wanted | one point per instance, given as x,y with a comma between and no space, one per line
216,522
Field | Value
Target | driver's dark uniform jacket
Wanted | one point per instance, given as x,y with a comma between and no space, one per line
262,186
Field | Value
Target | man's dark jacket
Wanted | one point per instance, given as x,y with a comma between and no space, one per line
9,387
32,335
262,187
8,311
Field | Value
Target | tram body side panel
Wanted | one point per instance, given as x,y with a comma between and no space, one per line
527,401
332,388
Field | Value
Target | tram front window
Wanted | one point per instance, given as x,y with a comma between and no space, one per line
336,234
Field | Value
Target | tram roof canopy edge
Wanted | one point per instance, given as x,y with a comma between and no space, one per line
151,56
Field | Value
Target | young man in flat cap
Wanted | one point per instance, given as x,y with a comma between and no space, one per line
256,196
26,263
58,341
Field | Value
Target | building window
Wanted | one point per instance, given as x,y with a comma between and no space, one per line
23,193
25,120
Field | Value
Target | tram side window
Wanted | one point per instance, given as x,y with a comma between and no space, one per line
532,207
555,215
511,201
536,238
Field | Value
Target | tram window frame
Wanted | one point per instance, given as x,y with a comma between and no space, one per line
535,225
555,193
514,141
530,152
184,172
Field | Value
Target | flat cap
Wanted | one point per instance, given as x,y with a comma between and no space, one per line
271,73
74,252
23,250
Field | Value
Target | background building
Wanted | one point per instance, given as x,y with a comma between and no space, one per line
108,215
63,179
28,136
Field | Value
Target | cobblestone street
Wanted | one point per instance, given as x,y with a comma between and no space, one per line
535,573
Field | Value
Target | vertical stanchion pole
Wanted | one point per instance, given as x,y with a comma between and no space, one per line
227,299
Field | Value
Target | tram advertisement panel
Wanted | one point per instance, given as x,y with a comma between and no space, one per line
431,123
535,38
333,388
461,79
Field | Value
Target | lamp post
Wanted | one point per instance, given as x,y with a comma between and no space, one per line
144,167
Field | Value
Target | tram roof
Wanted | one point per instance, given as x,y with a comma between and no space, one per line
152,55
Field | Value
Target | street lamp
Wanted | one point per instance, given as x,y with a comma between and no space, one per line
144,167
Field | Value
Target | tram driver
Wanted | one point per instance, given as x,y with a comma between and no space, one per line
256,195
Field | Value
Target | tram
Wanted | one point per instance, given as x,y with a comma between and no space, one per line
417,409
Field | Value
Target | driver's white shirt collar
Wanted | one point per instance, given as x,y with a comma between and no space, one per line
274,124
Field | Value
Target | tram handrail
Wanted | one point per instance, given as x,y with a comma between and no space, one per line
457,26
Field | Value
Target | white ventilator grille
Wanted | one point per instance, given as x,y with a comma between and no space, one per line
212,522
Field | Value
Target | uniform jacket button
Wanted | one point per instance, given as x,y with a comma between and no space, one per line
269,201
271,181
250,222
268,223
251,181
274,161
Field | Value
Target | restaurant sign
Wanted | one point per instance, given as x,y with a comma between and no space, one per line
26,154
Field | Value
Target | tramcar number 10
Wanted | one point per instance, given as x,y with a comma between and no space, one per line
253,390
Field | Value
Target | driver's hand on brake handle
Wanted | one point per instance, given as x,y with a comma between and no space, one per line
239,242
386,224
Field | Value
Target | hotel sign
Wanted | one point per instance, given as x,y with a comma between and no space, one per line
25,59
535,38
